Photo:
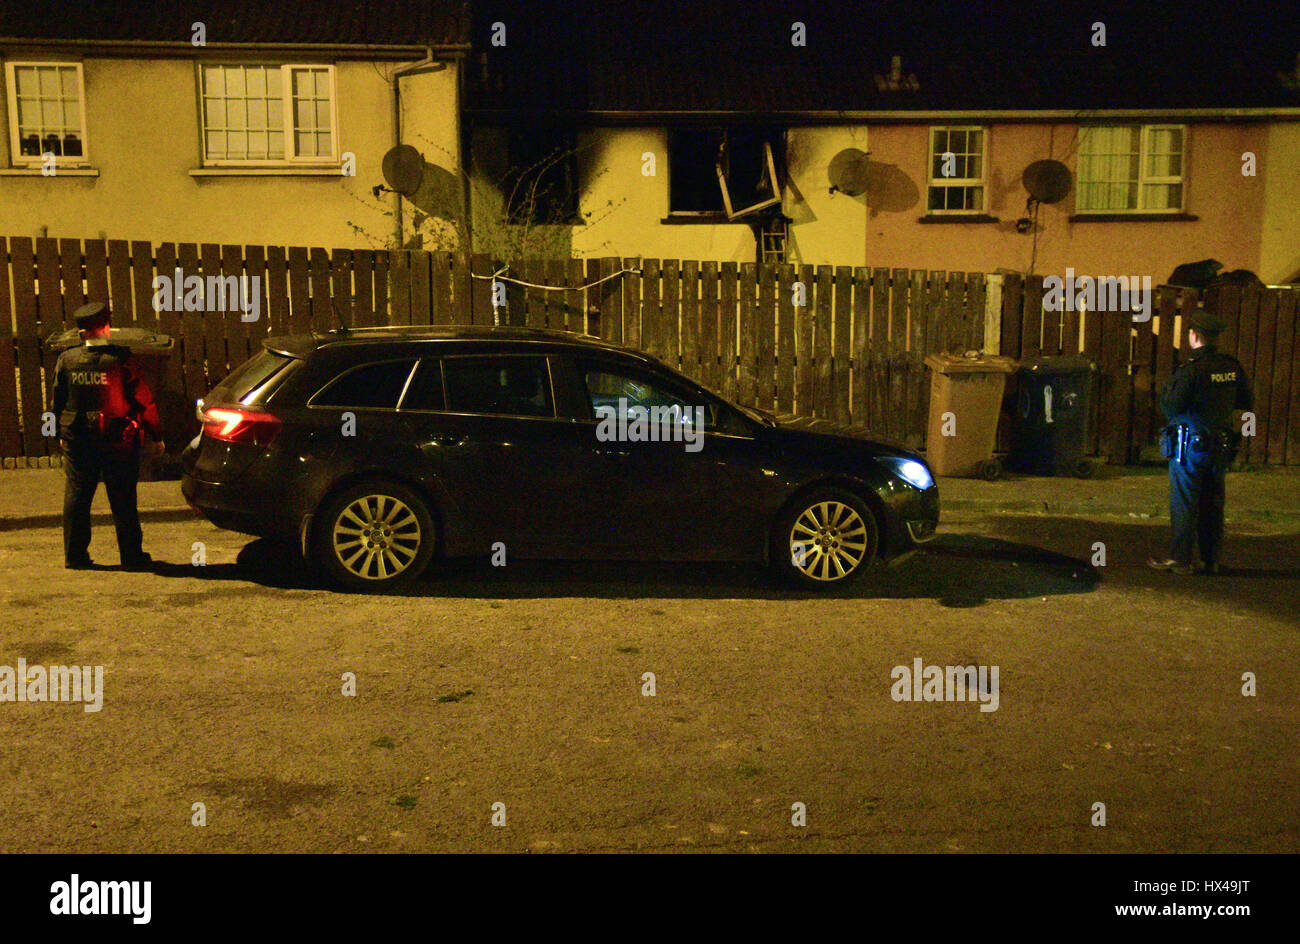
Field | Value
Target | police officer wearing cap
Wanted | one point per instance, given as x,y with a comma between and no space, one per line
1200,443
102,402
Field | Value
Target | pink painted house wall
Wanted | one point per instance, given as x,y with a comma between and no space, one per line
838,229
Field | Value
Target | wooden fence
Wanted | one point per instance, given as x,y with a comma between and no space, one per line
840,343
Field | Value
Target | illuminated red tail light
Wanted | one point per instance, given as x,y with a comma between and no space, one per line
235,424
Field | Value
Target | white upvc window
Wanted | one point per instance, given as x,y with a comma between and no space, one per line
1131,168
268,114
958,164
47,113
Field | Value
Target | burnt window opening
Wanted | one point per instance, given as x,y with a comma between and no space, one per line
692,179
728,172
541,183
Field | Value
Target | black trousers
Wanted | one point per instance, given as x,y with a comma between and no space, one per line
1196,499
85,462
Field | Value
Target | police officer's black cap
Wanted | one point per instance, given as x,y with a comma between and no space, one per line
1205,322
91,315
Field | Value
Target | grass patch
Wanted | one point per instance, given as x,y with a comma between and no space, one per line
406,802
748,770
630,650
383,741
454,696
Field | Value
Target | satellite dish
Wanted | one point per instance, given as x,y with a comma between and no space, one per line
849,171
404,169
1047,181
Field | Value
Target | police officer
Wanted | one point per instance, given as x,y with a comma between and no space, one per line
102,402
1200,443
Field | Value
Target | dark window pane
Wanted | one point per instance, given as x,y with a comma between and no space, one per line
506,386
375,385
425,390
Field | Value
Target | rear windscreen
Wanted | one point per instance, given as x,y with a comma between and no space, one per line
251,374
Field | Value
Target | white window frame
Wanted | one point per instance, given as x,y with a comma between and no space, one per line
291,158
16,157
774,200
1143,178
981,182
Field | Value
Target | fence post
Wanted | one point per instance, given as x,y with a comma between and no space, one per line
481,311
993,313
10,441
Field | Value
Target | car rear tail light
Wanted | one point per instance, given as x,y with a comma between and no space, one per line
238,425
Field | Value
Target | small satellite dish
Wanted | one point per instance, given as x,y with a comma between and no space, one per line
849,171
404,169
1047,181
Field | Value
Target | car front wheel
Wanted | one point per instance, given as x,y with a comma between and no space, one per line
827,538
374,536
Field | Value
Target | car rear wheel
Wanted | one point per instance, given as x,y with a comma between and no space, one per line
374,535
827,538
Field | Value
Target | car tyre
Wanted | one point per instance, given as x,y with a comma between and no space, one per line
374,535
826,538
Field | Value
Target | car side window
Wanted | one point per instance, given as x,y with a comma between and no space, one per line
510,385
424,392
634,397
372,386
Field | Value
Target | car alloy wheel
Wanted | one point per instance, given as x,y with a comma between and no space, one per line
827,538
376,537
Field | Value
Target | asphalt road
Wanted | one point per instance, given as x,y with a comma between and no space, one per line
523,686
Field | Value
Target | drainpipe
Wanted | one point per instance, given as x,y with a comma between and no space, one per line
464,141
397,73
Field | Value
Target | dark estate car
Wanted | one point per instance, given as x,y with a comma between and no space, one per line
375,449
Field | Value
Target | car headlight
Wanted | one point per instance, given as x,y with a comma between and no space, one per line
912,472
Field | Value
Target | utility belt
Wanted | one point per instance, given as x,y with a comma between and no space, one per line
119,432
1196,447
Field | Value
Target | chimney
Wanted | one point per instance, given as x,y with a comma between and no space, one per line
896,81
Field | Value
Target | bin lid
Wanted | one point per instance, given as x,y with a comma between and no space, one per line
970,363
139,340
1057,364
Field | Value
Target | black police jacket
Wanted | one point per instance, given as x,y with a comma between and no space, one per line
1205,390
100,392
